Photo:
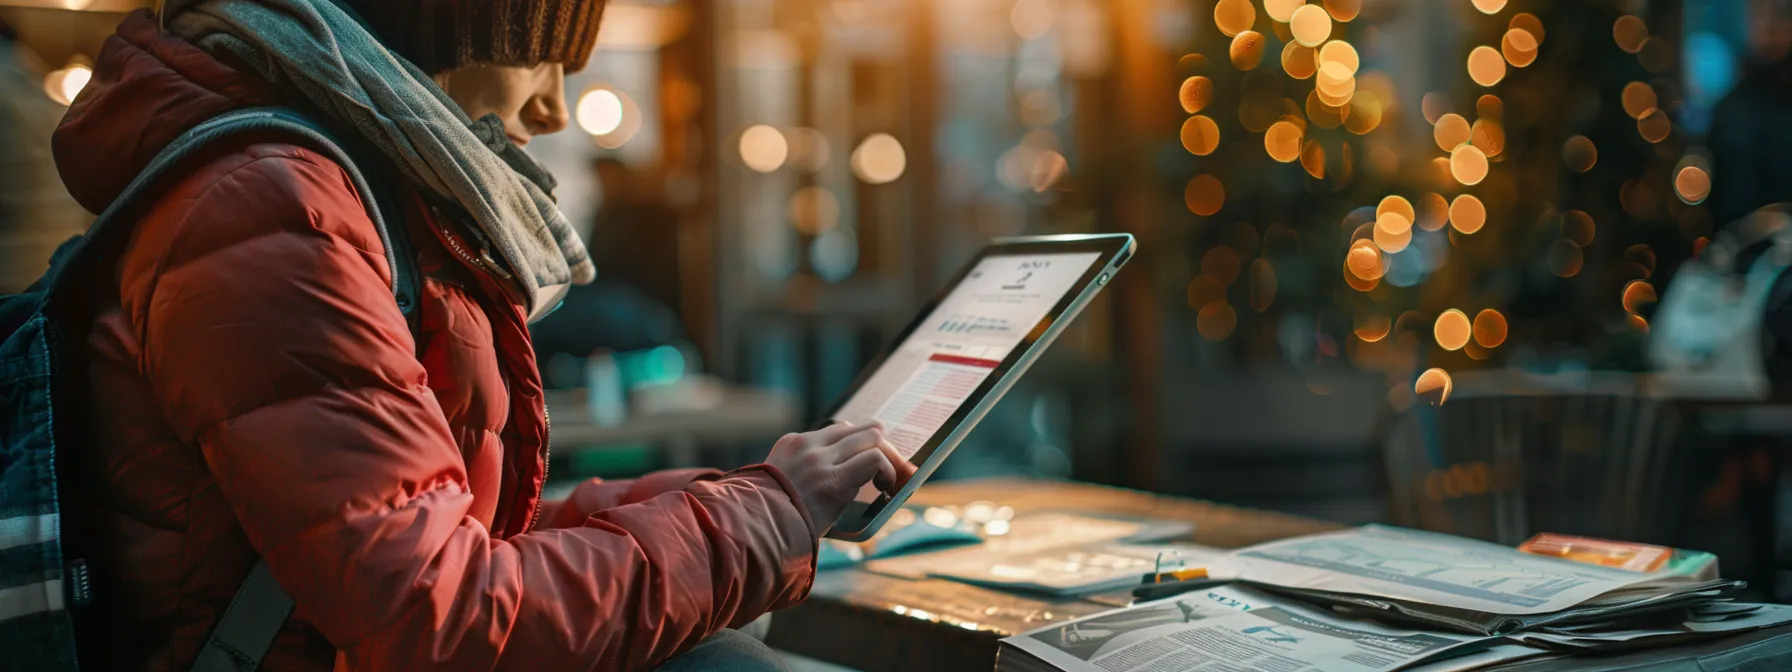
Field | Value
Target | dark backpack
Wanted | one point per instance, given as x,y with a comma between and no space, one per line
40,407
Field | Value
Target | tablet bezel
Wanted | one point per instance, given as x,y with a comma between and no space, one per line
860,521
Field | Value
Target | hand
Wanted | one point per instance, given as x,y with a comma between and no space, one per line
828,466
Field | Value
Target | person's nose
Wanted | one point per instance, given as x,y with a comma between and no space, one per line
546,112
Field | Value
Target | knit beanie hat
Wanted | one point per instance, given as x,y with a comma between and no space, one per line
441,35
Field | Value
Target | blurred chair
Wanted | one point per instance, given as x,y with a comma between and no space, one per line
1505,466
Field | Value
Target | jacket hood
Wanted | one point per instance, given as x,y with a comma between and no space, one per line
148,86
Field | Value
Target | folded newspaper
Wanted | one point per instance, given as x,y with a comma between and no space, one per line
1456,583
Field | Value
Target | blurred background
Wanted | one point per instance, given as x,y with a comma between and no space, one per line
1492,267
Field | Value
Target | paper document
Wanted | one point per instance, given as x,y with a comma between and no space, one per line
1430,568
1234,628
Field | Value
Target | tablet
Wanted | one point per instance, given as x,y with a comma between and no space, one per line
965,349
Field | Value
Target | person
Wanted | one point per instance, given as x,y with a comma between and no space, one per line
254,391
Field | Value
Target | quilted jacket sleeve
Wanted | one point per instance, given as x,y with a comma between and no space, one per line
270,336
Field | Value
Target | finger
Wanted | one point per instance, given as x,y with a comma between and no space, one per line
835,432
904,468
870,466
855,443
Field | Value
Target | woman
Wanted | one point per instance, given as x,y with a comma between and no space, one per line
256,392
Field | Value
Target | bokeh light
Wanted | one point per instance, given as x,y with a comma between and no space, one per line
1204,195
1298,60
1282,141
1434,106
1433,386
1452,330
1467,214
1393,232
1519,47
1195,94
1564,258
1281,10
1311,25
1638,98
1341,53
1579,154
1234,16
879,159
1216,321
1490,328
1488,136
1490,107
1637,322
1205,289
763,148
1200,136
1263,285
1629,32
1468,165
1434,212
1364,261
1373,327
1312,159
1450,132
1490,6
1654,125
814,210
1395,204
1486,66
1032,19
1222,263
1321,114
1343,11
1577,227
1643,256
1638,294
1365,115
1692,184
1247,50
599,112
1529,23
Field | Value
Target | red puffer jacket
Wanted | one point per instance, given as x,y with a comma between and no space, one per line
256,392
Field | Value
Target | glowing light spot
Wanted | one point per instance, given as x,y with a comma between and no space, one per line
1638,99
1643,256
1490,328
1343,11
1191,63
1204,195
1529,23
814,210
1433,386
1360,284
1365,115
1396,205
1468,165
1312,158
599,112
763,148
1311,25
1450,132
1321,114
1247,50
1654,125
1434,212
1205,289
1486,66
1216,321
1490,6
1049,168
1435,105
1282,142
1200,136
1032,19
1629,32
1234,16
1564,258
1263,285
1341,53
1519,47
1692,184
1451,330
1298,60
1364,261
1196,93
879,159
1577,227
1488,136
1579,154
1222,263
1468,214
1637,322
1393,232
1637,296
1373,327
1282,10
1440,174
1490,108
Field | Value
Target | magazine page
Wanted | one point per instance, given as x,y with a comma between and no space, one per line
1233,628
1429,568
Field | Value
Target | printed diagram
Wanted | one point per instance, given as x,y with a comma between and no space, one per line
1494,579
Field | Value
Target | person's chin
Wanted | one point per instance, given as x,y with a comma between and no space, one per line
518,140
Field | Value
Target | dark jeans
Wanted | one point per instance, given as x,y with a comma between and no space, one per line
728,650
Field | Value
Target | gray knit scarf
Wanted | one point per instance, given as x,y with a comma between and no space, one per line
343,70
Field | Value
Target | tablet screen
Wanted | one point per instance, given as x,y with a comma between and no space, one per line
960,344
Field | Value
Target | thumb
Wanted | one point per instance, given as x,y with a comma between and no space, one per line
867,466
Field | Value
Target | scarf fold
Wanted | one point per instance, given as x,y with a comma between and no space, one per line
331,58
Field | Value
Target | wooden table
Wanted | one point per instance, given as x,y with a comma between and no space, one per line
873,622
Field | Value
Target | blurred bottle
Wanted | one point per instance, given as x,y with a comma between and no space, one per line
606,395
